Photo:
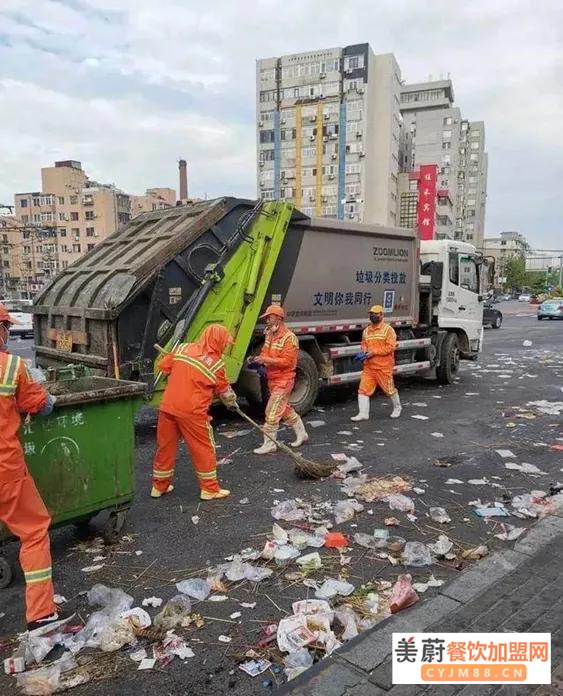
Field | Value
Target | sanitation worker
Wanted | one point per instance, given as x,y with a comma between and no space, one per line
196,373
21,508
378,357
279,356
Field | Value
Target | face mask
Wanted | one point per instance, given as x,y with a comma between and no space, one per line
375,319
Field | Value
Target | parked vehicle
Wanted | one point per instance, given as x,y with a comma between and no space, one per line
21,312
491,316
507,296
551,309
169,273
524,297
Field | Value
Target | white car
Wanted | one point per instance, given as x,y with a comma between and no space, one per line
524,298
24,327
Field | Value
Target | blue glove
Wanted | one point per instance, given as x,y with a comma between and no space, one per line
361,356
260,369
48,408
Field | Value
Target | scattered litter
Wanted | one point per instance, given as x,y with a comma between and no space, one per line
478,482
506,454
138,655
175,613
224,639
344,432
397,501
335,540
290,511
311,561
525,468
331,587
476,553
339,457
441,547
526,343
244,501
437,434
195,588
444,463
316,423
419,491
509,532
195,519
392,522
438,514
344,510
248,605
418,416
416,554
491,512
379,488
396,544
217,598
235,615
255,667
284,554
229,434
147,663
297,662
152,602
452,482
549,408
293,633
59,599
421,587
402,595
93,568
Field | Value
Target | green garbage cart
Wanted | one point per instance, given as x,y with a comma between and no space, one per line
82,455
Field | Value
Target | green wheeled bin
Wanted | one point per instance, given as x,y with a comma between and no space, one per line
82,456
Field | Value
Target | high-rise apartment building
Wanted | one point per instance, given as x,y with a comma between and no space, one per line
153,199
434,132
328,127
67,218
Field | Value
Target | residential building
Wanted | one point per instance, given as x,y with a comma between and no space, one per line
328,127
153,199
67,218
11,272
434,132
503,248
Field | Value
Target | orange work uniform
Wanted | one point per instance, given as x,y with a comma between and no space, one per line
195,374
21,508
381,341
279,354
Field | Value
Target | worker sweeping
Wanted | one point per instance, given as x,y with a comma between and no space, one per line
196,373
21,508
379,342
279,356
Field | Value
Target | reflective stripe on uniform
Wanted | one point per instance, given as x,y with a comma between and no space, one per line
218,365
198,366
32,576
9,381
207,475
157,474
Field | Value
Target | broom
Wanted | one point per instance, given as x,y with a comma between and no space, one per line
304,468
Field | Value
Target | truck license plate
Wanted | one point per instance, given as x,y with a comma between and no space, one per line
64,341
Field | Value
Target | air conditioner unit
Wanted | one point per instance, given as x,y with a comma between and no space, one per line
321,96
351,216
261,165
311,198
312,118
360,90
361,154
324,199
348,71
326,117
282,120
322,76
260,124
331,176
333,156
325,138
333,136
359,134
311,137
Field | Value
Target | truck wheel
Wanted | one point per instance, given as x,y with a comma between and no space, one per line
113,527
6,573
306,387
449,360
497,323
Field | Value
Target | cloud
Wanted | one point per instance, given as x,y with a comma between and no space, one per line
128,86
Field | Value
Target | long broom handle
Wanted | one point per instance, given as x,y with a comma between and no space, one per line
281,445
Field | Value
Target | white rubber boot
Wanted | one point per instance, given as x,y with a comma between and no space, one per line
268,446
363,408
301,435
397,408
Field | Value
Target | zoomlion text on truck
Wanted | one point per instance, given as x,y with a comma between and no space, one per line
172,272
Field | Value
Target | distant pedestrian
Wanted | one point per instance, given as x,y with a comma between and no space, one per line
379,342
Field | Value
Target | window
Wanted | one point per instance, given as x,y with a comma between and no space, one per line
75,231
37,201
446,146
73,200
474,157
62,217
74,216
91,246
64,248
448,121
25,218
268,95
76,248
266,156
5,250
268,194
27,250
65,264
353,62
446,135
62,231
474,145
23,203
61,200
464,126
468,277
454,268
446,159
89,215
267,136
90,232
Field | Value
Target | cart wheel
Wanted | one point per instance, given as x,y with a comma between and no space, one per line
113,526
6,573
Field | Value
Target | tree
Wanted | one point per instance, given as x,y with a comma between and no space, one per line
515,272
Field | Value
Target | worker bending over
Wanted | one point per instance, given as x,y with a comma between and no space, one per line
279,356
379,342
196,373
21,508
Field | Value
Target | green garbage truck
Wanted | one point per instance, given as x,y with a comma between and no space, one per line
169,273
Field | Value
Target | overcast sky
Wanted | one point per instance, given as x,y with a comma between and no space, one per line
129,86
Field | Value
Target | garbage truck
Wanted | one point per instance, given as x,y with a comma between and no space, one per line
169,273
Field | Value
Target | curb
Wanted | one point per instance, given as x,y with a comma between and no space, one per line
348,670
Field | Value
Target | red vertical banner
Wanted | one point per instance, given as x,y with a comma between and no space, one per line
426,208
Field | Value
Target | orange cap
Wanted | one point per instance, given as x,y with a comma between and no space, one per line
5,316
274,310
376,309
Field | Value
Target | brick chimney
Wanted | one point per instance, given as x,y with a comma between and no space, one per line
183,168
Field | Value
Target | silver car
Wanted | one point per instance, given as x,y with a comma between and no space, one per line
551,309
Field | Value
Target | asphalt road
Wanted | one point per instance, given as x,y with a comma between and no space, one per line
476,416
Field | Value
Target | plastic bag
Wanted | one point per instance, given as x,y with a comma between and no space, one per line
398,501
331,587
280,535
175,612
40,682
288,510
89,636
38,647
138,617
313,606
365,540
194,587
416,554
112,600
285,554
442,546
257,573
293,633
116,635
311,560
344,510
438,514
402,595
235,570
297,662
347,618
299,538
